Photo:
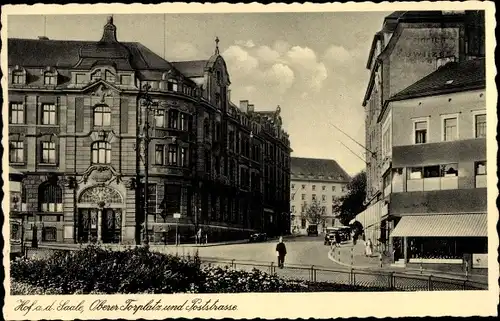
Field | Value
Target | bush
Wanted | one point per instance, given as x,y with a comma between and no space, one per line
94,270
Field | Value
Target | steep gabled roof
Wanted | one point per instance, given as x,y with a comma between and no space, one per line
449,78
327,169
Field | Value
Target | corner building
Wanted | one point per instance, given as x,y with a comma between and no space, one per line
75,120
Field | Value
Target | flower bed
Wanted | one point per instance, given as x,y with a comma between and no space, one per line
97,270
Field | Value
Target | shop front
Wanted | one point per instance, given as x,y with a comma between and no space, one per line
450,239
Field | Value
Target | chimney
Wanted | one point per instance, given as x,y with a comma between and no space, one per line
109,32
244,105
250,108
43,38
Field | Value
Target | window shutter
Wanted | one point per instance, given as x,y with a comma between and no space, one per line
79,114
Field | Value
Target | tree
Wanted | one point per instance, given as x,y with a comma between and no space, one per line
315,213
352,203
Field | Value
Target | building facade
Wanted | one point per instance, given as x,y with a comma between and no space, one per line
77,121
315,180
424,101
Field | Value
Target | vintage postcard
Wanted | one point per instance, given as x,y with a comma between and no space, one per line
249,161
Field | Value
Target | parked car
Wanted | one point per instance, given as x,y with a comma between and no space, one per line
258,237
312,230
330,235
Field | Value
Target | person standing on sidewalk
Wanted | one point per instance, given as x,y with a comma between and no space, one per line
281,252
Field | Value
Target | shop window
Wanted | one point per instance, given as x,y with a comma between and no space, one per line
16,152
480,125
102,116
101,152
152,202
16,113
49,114
481,176
48,153
159,154
49,234
50,197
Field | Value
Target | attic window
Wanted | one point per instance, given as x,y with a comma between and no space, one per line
49,78
95,75
109,76
18,77
449,82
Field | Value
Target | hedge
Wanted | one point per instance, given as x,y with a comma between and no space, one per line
95,270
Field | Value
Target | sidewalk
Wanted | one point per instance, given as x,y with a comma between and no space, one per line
342,256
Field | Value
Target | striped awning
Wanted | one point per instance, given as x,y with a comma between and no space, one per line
443,225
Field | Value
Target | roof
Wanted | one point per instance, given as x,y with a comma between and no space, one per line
444,225
451,77
67,53
192,68
318,169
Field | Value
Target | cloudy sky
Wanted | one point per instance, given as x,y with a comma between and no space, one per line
311,64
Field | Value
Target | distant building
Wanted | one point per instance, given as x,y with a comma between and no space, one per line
313,179
75,116
425,129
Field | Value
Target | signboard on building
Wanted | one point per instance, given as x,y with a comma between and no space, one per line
177,215
480,261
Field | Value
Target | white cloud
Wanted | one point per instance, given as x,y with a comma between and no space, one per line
281,46
239,61
267,55
337,54
280,76
245,43
312,72
183,51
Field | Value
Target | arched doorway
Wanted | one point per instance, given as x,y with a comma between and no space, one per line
100,215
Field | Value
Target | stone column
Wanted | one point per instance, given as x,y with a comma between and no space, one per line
99,225
405,249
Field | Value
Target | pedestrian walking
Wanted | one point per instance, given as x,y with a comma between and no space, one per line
368,248
281,252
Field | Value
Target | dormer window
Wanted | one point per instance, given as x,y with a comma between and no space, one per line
218,76
96,75
109,76
172,85
18,77
49,78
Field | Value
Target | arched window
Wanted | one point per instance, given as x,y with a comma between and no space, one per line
50,78
50,197
102,116
101,153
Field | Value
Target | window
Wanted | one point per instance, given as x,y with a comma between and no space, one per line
450,128
18,77
184,121
184,160
49,234
159,154
420,128
50,198
173,119
101,153
152,202
480,125
303,186
313,197
49,114
48,153
323,187
303,196
80,78
206,128
293,197
449,170
172,154
172,85
102,116
333,188
314,187
16,113
480,169
343,188
125,79
432,171
49,78
303,223
293,208
96,75
415,173
159,118
16,152
323,198
293,185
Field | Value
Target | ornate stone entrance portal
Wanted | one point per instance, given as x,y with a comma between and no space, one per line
100,215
